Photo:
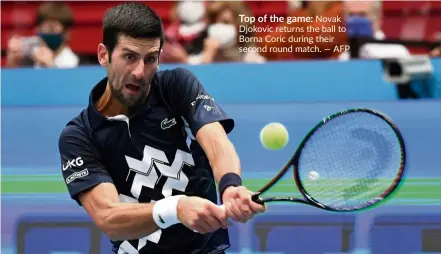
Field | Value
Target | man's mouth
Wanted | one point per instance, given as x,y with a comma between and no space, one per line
133,88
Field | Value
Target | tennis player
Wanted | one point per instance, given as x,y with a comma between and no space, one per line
144,156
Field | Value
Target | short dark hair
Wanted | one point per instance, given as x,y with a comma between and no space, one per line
135,20
56,11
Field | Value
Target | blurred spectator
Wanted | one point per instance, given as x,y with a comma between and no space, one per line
173,52
206,33
48,48
222,44
327,9
370,10
186,35
363,18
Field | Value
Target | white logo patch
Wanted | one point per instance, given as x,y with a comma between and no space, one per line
77,175
166,124
201,97
208,108
78,162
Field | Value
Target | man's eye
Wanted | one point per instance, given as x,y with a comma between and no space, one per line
129,57
151,59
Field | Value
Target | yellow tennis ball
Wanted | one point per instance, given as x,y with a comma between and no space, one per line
274,136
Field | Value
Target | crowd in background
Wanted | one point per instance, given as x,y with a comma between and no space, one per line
199,33
49,47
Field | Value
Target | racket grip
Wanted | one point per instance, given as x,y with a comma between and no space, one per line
257,199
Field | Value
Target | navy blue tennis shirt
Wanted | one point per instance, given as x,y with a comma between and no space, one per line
149,156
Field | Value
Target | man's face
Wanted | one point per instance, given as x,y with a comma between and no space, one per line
133,65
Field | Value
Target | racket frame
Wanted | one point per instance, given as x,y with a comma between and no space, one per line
294,161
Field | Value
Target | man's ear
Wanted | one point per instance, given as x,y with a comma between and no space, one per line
103,55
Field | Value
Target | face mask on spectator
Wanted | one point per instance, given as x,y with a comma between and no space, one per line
225,34
190,15
190,12
52,40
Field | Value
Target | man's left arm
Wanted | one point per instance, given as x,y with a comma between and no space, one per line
225,164
210,125
219,150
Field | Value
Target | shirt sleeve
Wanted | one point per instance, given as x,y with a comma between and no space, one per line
80,165
190,99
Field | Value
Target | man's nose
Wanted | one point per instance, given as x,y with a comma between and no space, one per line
139,70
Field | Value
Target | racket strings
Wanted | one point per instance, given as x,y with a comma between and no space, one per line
350,161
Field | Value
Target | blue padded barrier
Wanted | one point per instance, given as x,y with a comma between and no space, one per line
406,234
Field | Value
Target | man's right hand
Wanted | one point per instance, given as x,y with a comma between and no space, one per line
201,215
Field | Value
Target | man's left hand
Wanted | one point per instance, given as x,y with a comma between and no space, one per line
238,204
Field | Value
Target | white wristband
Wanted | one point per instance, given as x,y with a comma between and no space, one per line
165,212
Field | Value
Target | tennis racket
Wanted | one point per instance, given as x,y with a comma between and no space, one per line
349,161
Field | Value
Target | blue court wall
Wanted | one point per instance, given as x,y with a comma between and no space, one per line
228,83
37,103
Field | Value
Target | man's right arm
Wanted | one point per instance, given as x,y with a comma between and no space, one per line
91,186
119,221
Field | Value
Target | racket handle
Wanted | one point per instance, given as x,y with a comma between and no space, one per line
257,199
